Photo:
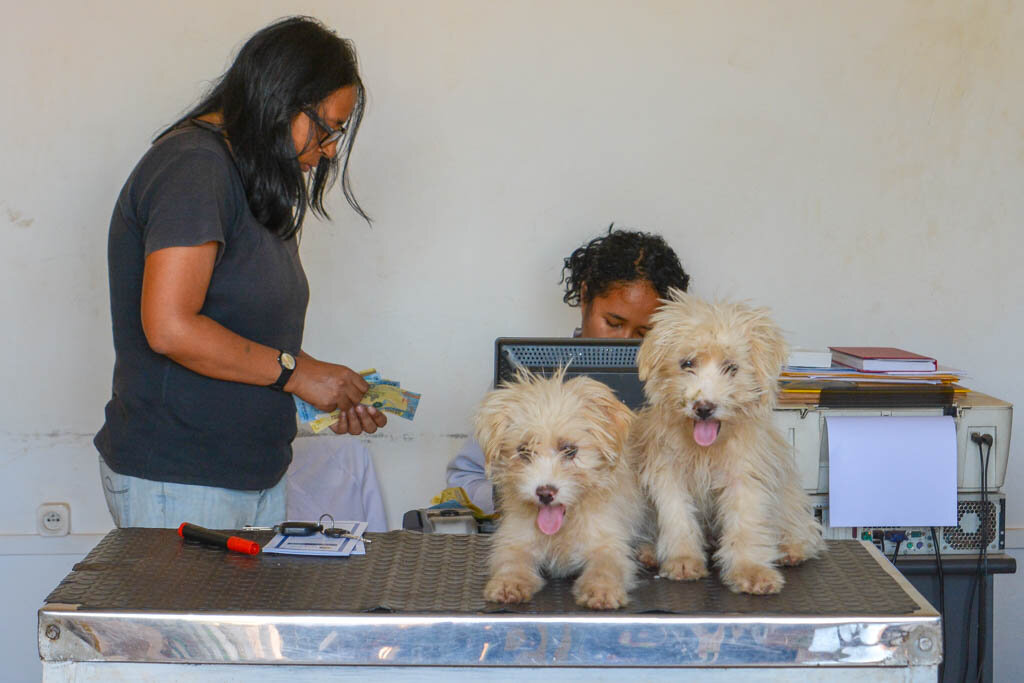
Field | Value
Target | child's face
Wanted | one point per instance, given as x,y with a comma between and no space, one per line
622,312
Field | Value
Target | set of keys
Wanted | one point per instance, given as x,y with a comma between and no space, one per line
308,529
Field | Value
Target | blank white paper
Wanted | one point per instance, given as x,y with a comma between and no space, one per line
891,471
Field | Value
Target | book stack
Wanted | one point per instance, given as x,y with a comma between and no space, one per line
871,376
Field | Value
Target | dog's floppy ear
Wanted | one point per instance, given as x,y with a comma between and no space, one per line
612,420
619,417
650,354
768,351
658,341
490,425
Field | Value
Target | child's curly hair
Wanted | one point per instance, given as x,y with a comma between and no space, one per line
620,257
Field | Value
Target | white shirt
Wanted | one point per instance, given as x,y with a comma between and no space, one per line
334,475
466,469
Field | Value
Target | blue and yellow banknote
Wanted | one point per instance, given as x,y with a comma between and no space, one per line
383,394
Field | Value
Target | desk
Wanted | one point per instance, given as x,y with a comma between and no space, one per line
144,605
962,612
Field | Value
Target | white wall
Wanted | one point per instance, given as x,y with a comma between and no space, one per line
858,167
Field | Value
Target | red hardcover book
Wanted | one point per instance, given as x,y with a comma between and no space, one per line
882,359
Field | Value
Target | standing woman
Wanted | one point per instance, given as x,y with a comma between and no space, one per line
208,295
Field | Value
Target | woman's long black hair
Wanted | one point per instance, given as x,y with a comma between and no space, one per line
289,66
620,257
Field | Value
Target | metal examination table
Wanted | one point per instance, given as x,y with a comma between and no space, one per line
144,605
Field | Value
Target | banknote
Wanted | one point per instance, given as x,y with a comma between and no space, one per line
383,394
412,403
324,421
385,397
305,411
371,375
308,413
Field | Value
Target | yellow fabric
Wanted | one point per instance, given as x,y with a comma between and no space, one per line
458,494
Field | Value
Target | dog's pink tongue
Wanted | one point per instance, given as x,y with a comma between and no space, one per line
705,431
549,518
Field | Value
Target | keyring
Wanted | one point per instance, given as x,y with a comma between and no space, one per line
320,521
337,532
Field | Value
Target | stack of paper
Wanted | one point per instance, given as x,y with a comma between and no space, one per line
804,385
800,357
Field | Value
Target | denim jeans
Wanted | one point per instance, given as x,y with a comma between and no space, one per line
144,503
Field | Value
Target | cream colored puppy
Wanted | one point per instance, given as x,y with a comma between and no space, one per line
569,502
707,452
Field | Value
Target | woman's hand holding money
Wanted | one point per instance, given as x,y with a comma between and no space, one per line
328,386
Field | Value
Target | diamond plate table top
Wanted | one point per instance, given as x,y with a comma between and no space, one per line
409,572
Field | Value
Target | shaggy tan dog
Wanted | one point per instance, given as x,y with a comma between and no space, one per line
707,452
569,502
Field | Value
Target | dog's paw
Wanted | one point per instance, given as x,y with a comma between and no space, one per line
509,589
684,568
755,579
792,554
646,556
600,595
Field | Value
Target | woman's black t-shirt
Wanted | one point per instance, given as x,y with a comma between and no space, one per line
165,422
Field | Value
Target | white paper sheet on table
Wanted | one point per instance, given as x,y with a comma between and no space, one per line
318,544
892,471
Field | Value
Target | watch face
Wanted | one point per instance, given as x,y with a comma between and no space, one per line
287,361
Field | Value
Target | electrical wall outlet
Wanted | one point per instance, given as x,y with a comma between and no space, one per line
53,519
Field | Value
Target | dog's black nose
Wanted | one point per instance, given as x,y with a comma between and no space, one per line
546,494
704,409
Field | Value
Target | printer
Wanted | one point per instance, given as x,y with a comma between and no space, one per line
804,428
980,518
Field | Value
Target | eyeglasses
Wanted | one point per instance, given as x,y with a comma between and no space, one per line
333,134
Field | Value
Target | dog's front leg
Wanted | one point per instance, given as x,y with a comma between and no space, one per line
680,546
514,573
747,548
606,578
800,534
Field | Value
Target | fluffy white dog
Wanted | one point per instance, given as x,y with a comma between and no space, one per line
569,501
707,453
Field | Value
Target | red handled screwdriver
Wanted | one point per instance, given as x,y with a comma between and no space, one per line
204,535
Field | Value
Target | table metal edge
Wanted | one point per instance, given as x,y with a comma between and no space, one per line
67,633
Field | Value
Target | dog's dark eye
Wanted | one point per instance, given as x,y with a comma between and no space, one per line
686,364
569,450
524,452
730,369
